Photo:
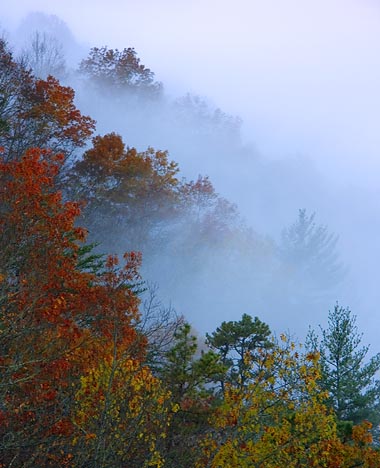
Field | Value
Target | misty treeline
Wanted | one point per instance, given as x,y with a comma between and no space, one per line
95,370
192,247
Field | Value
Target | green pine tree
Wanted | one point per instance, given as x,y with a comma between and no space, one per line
191,379
347,374
233,340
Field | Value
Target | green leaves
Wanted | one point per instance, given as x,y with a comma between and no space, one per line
349,379
185,373
235,340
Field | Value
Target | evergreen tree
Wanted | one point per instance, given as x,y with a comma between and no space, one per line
309,255
233,340
191,381
346,373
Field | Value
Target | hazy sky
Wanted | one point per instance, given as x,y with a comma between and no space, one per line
303,75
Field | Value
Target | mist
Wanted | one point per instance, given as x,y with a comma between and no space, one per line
287,119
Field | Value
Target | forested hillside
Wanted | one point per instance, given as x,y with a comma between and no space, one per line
94,370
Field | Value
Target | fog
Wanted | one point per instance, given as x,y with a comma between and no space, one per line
304,79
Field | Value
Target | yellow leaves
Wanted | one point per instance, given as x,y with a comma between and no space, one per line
121,401
278,419
175,408
271,380
156,460
313,357
59,302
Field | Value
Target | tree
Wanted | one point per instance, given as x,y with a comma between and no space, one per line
190,380
44,56
196,119
43,300
159,325
37,113
139,199
114,71
239,341
72,385
213,219
354,391
122,410
135,193
280,419
310,259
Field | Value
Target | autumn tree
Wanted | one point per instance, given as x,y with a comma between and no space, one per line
133,192
37,113
212,218
62,329
42,306
121,411
281,419
139,199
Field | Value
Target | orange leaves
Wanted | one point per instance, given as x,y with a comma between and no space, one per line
361,434
63,427
126,170
57,321
37,112
106,151
35,222
356,451
53,107
130,192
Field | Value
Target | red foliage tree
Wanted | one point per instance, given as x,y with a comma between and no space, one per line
36,112
55,320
